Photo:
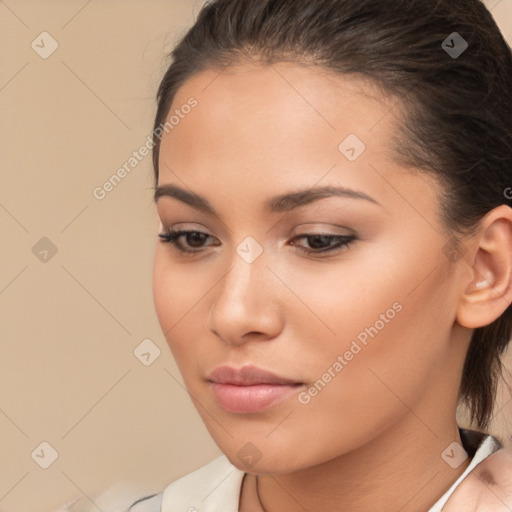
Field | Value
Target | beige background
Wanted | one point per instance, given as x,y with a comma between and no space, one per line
69,326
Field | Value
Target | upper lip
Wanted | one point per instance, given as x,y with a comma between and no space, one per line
246,376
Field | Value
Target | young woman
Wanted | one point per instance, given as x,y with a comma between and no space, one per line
334,267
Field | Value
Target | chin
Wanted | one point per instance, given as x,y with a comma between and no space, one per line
273,467
273,461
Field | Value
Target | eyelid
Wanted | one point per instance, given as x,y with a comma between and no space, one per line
312,228
183,226
298,230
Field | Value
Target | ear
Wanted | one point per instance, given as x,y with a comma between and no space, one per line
489,292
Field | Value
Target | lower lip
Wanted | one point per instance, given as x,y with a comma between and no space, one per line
247,399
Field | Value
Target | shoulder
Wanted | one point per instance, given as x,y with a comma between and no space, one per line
192,490
487,488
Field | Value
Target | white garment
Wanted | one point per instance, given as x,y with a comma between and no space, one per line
489,445
216,486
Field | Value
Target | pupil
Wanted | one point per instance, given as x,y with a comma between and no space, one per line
196,237
320,238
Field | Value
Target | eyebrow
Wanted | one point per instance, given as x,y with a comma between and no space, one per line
281,203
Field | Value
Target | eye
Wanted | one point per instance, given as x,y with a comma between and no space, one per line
319,243
193,239
322,243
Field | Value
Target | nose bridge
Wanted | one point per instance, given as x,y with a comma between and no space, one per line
246,271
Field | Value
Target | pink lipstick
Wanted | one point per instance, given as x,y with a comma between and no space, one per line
249,389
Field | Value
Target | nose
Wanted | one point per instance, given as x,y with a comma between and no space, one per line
246,304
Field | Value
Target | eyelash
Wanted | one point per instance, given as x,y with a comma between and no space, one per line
172,237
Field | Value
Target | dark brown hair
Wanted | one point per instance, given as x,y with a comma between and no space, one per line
456,107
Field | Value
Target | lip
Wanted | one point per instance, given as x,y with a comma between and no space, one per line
246,376
249,389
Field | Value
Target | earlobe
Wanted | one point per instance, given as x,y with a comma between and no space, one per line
489,293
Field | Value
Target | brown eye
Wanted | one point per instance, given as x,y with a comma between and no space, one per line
193,239
322,243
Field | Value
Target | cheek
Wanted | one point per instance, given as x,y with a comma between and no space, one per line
163,291
374,330
175,289
179,296
373,384
170,295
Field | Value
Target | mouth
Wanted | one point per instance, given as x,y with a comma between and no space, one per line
249,389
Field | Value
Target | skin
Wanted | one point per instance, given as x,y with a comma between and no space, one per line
372,439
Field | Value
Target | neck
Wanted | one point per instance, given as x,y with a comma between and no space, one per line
401,469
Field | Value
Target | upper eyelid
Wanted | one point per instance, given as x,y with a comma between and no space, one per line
185,230
299,226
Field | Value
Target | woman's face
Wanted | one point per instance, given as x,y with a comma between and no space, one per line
364,332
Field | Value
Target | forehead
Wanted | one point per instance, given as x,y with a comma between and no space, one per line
280,110
258,129
309,92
